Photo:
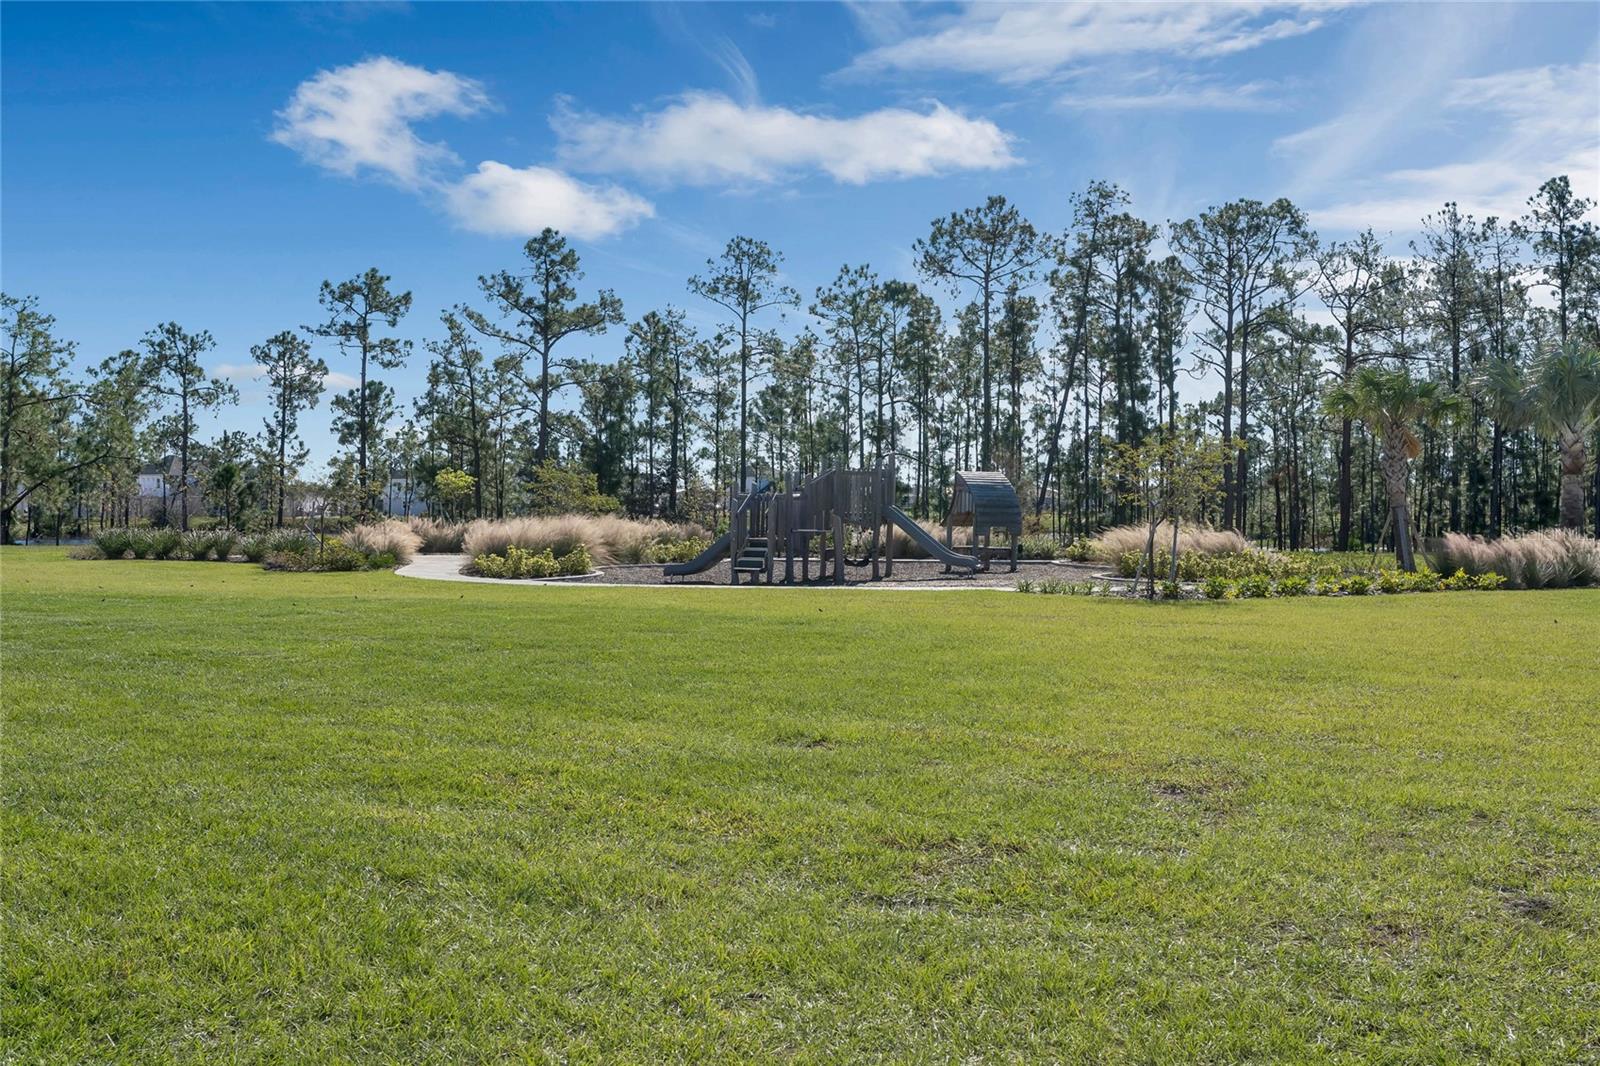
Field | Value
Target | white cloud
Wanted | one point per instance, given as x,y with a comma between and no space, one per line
1542,121
358,118
1179,96
499,199
707,138
334,379
238,371
1022,43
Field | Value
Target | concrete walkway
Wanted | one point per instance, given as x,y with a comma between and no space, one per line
448,568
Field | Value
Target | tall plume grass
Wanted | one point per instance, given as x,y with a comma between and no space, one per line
901,546
438,535
1550,558
393,536
1118,540
609,539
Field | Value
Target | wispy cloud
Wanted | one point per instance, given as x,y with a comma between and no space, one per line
335,379
1178,95
1538,121
707,138
1021,43
238,371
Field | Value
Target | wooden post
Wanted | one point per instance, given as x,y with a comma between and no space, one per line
838,547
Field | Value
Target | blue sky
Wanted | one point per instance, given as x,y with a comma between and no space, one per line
212,163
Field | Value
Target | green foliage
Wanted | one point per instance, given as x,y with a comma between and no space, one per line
333,555
554,489
217,544
1255,587
1081,550
114,543
676,551
1356,585
575,563
162,543
451,487
1293,586
1059,587
518,563
258,546
1039,546
1392,581
1171,590
1217,587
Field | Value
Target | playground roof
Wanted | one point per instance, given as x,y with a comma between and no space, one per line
985,499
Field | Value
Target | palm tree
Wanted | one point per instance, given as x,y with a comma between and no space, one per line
1560,397
1503,391
1564,392
1393,404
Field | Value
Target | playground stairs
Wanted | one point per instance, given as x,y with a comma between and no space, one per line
753,560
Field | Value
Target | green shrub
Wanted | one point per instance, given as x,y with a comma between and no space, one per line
1039,546
676,551
257,546
226,544
1392,581
114,543
518,563
575,563
1293,586
1216,588
1171,590
164,543
1490,581
1255,587
1424,580
1460,581
305,554
1080,550
1356,585
203,544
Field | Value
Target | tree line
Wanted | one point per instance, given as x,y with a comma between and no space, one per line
1015,349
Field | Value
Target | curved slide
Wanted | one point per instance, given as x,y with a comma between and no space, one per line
927,541
704,561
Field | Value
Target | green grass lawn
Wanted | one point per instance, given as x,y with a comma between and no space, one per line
256,816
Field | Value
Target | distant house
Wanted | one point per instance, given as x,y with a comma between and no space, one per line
158,487
400,496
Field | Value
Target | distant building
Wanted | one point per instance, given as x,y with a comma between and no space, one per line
158,488
400,496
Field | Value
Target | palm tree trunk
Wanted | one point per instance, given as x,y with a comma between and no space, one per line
1574,457
1395,471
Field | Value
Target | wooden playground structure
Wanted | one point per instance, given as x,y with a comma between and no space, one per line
816,518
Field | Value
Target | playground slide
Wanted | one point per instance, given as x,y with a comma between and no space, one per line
927,542
704,561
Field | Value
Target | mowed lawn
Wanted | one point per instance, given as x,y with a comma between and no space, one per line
315,818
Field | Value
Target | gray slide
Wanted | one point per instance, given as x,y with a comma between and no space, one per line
704,561
928,542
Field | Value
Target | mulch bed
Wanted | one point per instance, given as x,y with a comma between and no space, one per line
908,572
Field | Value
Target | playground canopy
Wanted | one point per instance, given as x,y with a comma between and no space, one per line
984,500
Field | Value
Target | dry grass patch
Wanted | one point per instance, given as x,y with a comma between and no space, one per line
1550,558
393,537
1114,542
609,539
